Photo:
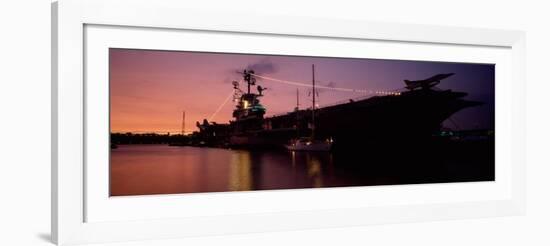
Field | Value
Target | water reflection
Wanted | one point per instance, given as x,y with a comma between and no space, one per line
162,169
240,173
314,170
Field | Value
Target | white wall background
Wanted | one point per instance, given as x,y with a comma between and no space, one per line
25,123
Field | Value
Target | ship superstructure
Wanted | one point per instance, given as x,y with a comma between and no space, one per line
248,112
415,113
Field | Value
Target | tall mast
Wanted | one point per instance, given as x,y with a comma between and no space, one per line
183,123
297,99
248,79
313,108
248,82
297,111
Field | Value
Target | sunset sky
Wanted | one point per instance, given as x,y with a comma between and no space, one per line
150,89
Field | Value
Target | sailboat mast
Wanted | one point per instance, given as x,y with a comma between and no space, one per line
313,108
183,124
297,111
297,99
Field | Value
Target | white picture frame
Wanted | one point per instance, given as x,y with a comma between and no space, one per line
74,221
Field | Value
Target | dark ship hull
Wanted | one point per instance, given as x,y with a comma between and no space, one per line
408,116
392,118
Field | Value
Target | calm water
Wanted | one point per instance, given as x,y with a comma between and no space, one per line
162,169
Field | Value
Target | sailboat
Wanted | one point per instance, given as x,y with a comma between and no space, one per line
310,143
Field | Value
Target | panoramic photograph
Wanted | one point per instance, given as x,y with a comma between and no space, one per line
192,122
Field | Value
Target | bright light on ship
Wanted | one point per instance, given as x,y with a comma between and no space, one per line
245,104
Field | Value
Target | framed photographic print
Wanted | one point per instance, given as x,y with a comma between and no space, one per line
246,124
168,124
